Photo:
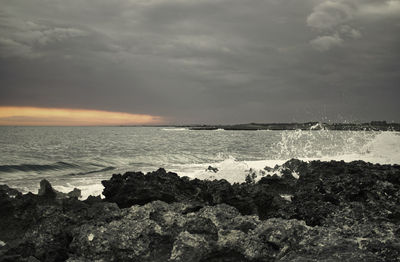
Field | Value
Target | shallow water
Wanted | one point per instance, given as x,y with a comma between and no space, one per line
83,156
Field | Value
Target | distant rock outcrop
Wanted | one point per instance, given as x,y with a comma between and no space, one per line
338,211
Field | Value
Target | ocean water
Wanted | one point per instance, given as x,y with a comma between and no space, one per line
83,156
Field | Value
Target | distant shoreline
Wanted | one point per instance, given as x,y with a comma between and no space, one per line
371,126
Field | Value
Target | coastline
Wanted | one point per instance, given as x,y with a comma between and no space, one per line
371,126
314,211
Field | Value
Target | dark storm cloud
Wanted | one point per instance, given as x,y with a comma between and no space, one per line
205,60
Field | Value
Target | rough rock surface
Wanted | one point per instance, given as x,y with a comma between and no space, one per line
135,188
338,211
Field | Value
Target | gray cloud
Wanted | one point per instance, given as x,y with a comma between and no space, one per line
349,32
329,14
324,43
337,16
206,60
24,38
10,48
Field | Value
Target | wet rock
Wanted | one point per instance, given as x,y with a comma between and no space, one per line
212,169
46,190
75,193
252,176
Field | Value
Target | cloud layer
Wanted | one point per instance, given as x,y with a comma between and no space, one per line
204,61
338,16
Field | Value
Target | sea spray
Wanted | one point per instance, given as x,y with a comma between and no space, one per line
324,145
94,154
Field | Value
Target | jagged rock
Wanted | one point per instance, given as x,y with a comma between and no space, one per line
46,190
212,169
136,188
190,247
161,232
324,187
10,192
339,211
40,226
283,185
75,193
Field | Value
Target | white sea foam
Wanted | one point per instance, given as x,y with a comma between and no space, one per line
382,148
174,129
91,189
229,169
323,145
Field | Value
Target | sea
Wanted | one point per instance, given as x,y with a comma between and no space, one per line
81,157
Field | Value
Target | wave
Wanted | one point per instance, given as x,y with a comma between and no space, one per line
385,147
92,189
230,169
34,167
324,145
373,147
109,168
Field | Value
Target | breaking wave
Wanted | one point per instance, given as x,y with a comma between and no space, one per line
233,155
374,147
324,145
36,168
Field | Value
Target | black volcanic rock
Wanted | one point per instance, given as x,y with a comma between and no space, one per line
212,169
9,192
339,211
135,188
324,187
39,226
46,190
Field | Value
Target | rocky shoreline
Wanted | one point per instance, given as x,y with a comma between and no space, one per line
316,211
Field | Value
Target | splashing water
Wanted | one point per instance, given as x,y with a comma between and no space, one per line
384,148
81,157
322,143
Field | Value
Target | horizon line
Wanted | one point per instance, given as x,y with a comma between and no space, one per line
383,122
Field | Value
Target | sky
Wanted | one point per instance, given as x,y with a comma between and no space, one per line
199,61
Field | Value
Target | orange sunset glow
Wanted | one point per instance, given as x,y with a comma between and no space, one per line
35,116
